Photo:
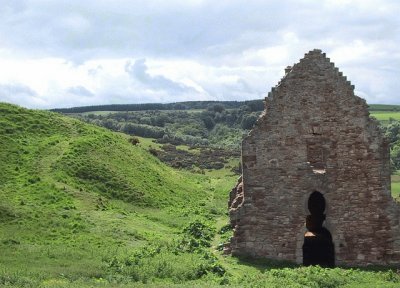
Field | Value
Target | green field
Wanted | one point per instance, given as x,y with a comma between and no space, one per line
386,115
80,206
97,112
396,185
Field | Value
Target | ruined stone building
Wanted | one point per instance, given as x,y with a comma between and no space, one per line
315,187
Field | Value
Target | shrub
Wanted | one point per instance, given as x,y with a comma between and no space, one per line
395,156
143,130
134,141
249,121
153,152
163,261
197,235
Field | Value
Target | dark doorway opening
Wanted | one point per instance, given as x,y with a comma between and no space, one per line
318,248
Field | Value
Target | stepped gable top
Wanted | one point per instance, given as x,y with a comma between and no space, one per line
314,79
316,64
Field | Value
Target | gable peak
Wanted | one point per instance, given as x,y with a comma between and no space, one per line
316,54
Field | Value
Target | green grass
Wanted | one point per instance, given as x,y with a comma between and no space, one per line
195,151
98,112
147,143
73,193
396,185
385,116
82,207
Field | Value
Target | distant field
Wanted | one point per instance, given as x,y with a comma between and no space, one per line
386,115
98,112
396,185
395,189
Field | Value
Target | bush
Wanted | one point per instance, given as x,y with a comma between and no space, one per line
208,121
393,132
249,121
395,156
163,261
143,130
153,152
197,235
134,141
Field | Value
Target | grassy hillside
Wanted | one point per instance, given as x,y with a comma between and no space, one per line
81,206
72,194
86,157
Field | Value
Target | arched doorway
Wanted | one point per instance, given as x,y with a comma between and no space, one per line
318,248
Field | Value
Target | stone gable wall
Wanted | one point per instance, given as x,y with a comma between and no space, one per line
315,135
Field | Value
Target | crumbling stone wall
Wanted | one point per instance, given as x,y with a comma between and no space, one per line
315,135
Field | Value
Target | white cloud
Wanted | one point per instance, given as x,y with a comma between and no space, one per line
75,52
138,71
19,93
80,91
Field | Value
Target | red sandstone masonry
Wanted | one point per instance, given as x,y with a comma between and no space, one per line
315,135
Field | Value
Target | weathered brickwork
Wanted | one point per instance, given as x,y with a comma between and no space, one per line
315,135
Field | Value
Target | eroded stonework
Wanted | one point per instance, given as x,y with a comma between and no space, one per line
315,135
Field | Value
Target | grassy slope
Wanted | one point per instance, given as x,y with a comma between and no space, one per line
72,193
81,207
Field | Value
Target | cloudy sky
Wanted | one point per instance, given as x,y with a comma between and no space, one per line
83,52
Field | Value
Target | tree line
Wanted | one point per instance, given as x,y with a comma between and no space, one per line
254,105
